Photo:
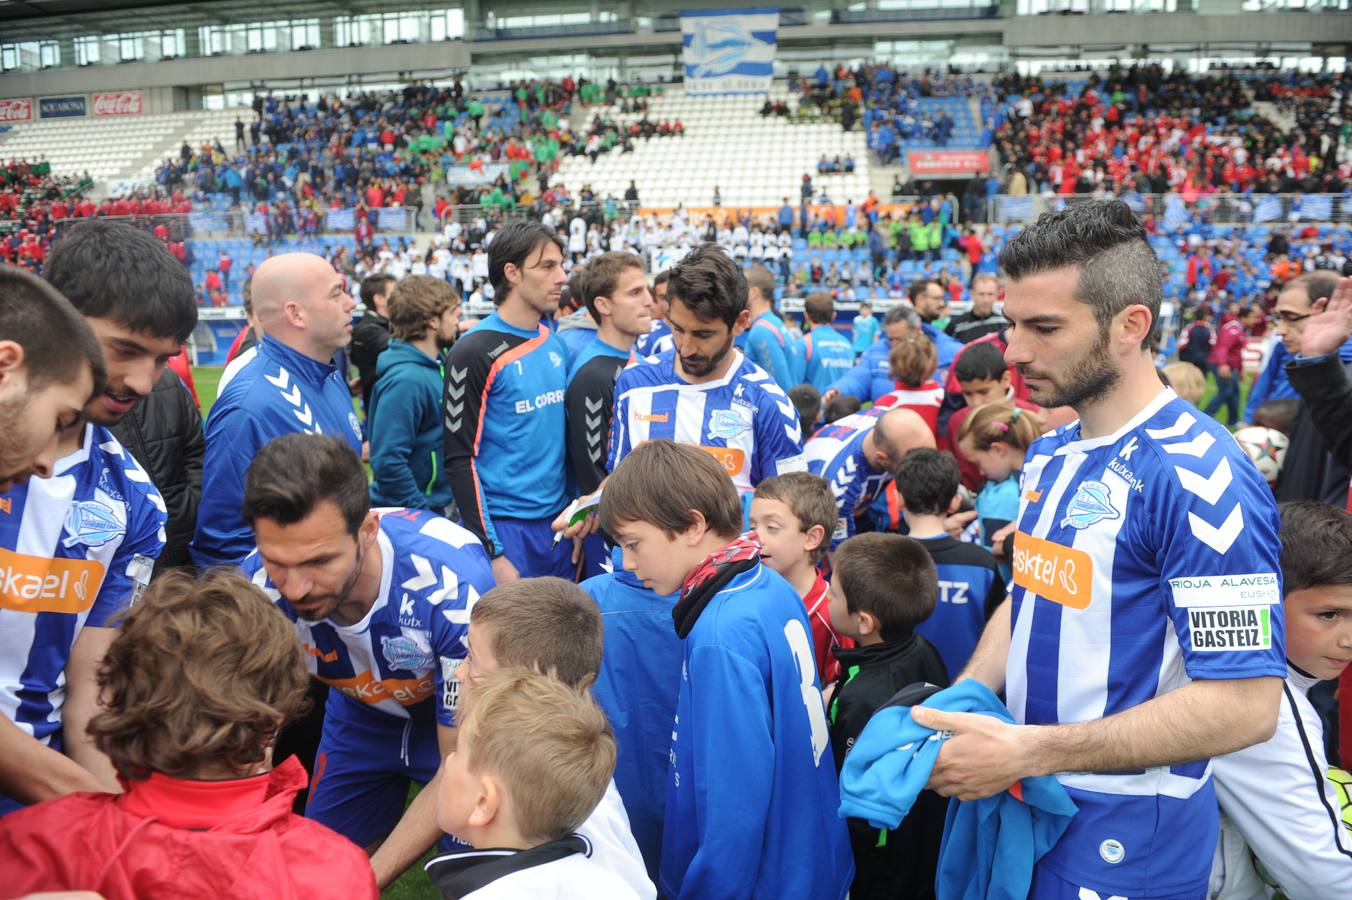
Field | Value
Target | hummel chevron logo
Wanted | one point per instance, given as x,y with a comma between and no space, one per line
424,578
282,379
1197,447
1178,429
592,405
306,417
458,375
593,423
454,391
450,583
1218,539
1209,488
294,396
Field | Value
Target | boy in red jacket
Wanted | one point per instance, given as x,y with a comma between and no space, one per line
199,679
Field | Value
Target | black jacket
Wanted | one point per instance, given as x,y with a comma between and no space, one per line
1310,471
164,434
370,337
903,862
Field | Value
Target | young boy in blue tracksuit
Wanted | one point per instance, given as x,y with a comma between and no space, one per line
752,792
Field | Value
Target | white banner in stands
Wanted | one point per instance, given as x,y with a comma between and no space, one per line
729,51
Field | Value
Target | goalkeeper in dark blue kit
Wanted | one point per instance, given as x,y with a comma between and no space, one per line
505,420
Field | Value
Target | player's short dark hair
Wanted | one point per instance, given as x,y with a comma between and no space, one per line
513,243
917,288
1105,241
980,362
1279,414
808,401
602,275
1317,285
293,474
1316,545
661,278
760,278
819,308
709,284
547,624
110,270
890,577
663,483
57,342
373,286
927,479
840,406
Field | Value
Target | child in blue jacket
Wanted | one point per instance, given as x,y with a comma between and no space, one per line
752,792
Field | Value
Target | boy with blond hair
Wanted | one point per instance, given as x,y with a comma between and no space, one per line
551,625
533,759
794,517
760,821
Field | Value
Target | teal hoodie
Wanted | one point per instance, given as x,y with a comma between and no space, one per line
405,429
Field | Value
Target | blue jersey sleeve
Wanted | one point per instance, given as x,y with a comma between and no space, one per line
462,584
1220,562
764,349
619,421
732,791
779,446
857,381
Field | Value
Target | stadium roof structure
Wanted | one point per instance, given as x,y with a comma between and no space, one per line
29,20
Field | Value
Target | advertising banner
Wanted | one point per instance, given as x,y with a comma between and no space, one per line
61,107
119,103
19,109
729,51
947,162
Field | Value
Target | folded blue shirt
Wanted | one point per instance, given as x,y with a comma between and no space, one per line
991,845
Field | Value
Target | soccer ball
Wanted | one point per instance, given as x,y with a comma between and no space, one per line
1266,447
1342,785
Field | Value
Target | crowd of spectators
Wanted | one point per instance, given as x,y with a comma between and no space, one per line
1152,131
421,148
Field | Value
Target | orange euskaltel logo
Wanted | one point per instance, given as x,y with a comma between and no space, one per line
1061,574
366,688
733,459
36,584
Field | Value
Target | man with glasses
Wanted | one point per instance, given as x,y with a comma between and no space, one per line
1309,472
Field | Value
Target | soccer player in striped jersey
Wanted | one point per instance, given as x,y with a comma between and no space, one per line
1144,633
50,367
705,392
380,599
857,456
658,338
78,548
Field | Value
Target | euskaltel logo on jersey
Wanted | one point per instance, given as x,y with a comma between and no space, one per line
35,584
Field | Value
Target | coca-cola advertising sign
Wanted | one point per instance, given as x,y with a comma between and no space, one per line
119,103
18,109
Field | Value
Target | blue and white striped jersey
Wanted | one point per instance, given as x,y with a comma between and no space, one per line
407,648
75,550
836,453
1142,560
656,341
744,419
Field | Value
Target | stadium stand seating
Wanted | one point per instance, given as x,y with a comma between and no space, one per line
105,148
754,161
